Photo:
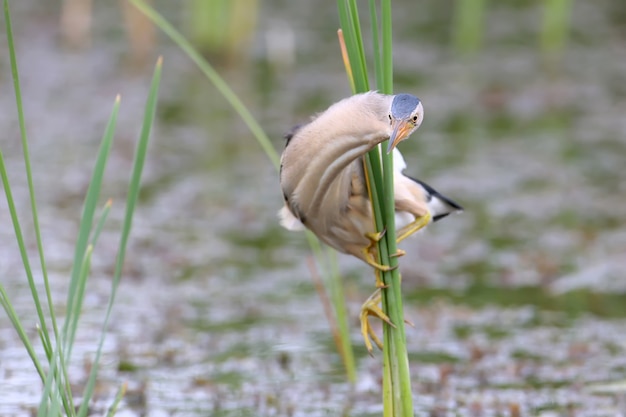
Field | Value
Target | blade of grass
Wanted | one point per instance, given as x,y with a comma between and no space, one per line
75,297
131,202
57,387
31,190
387,57
346,61
49,399
76,290
4,299
335,284
215,78
360,49
335,287
85,268
376,45
395,352
118,398
15,321
103,217
353,45
59,393
82,282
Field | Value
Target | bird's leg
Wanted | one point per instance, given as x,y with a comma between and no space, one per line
369,256
370,308
375,238
413,227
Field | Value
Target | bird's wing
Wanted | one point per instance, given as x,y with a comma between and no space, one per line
440,205
291,133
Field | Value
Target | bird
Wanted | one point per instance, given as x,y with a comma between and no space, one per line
324,187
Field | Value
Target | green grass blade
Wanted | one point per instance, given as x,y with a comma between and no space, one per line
85,267
378,68
80,269
52,397
63,384
395,339
103,217
338,298
356,26
116,402
42,329
351,27
53,406
131,202
55,394
15,321
74,300
14,218
387,57
57,390
215,78
138,163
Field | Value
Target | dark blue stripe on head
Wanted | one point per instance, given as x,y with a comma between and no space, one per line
403,105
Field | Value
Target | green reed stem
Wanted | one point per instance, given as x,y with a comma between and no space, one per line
338,299
397,396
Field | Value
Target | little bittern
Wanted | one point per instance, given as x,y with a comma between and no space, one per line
324,186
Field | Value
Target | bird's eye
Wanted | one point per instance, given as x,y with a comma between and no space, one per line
414,119
389,117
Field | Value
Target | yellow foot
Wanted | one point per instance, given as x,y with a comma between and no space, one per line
375,237
398,253
413,227
379,282
370,308
369,256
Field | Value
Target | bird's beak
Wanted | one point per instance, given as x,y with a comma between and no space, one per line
401,129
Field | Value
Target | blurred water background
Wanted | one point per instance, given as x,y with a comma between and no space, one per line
519,303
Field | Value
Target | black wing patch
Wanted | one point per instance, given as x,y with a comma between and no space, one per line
292,132
434,193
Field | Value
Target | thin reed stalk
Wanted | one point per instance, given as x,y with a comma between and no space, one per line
328,266
397,396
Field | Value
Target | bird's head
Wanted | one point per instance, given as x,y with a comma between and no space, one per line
406,115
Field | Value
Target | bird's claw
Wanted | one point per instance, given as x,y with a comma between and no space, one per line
368,257
370,308
376,236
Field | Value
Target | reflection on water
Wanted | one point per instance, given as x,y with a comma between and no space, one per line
217,314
